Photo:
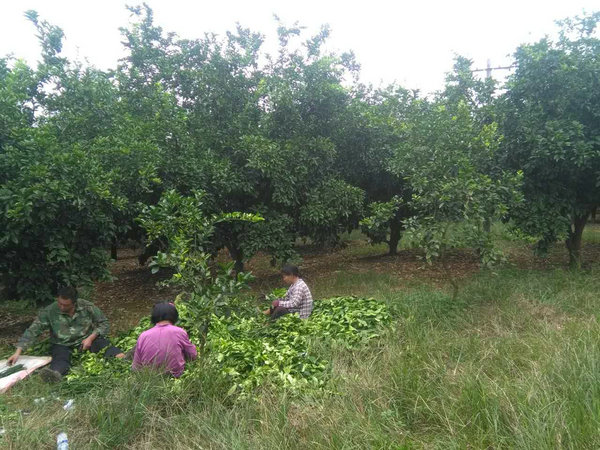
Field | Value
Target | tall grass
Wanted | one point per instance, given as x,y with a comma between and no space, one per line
513,362
591,233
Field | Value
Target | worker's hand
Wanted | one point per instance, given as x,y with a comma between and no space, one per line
14,358
275,303
86,344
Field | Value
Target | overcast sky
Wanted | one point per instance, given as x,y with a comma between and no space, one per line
412,43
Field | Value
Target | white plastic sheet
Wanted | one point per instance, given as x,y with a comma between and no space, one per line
30,364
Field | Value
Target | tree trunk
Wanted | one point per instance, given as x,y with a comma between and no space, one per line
573,241
395,236
487,225
150,251
238,256
238,266
487,229
113,250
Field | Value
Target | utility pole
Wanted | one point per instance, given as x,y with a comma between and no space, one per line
489,68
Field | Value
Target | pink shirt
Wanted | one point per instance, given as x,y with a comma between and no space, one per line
165,346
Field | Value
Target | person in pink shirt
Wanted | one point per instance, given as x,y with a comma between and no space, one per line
164,346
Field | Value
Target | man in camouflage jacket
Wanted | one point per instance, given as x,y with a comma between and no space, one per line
73,323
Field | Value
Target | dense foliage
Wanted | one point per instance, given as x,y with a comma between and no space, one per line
552,128
249,351
446,157
58,210
237,342
291,137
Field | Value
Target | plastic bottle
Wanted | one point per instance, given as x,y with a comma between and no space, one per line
69,405
62,442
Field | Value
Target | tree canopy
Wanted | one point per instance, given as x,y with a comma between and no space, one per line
292,137
551,124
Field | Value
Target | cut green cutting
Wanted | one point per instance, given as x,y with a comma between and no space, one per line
14,369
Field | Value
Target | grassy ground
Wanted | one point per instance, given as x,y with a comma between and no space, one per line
512,362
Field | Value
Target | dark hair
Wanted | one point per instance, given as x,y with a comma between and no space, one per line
164,311
288,269
68,292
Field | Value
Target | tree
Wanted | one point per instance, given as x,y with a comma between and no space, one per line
84,106
57,201
367,144
305,104
398,127
253,138
385,223
441,160
448,157
57,217
186,232
551,123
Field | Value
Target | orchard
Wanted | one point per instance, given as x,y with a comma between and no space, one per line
451,240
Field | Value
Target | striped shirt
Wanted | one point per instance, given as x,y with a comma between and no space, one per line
298,299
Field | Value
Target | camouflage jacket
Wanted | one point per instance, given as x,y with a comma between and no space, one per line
64,329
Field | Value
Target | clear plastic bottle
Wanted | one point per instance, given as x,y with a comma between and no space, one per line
69,405
62,442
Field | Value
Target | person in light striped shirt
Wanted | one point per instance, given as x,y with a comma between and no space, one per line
297,299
